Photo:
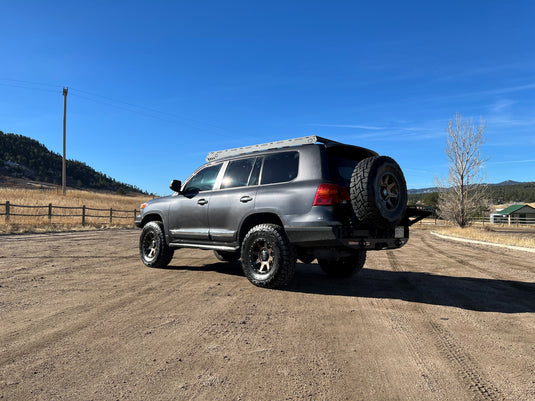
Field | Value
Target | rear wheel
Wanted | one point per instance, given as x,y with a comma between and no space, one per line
378,192
268,258
153,249
344,267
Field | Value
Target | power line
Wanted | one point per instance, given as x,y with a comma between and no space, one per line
30,82
121,102
28,87
148,111
116,103
138,111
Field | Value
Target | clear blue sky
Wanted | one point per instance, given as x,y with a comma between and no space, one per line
154,86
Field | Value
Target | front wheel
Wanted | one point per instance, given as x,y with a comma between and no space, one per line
344,267
268,258
153,249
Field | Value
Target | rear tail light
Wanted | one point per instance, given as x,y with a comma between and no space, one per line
331,195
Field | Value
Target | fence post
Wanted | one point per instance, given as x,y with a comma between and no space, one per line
111,214
7,210
135,214
83,215
50,212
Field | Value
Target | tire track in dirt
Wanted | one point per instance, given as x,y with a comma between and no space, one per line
428,245
462,262
46,237
465,366
417,242
266,351
506,280
70,321
199,330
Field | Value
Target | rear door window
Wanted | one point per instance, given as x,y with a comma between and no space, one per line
237,173
280,167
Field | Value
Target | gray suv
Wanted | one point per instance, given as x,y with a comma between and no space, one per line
271,204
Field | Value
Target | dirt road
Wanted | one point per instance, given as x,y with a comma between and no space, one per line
82,318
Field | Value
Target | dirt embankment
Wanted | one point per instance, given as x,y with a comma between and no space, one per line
82,318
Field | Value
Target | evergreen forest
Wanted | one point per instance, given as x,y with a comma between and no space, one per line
23,157
498,194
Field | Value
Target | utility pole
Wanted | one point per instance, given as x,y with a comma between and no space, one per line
64,169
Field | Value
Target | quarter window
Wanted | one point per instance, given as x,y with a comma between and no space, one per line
280,167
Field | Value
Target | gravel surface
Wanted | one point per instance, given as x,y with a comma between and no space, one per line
81,318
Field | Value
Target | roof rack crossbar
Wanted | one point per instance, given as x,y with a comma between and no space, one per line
304,140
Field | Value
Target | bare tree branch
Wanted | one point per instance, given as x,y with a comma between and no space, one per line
463,194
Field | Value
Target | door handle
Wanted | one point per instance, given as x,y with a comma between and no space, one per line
245,199
202,202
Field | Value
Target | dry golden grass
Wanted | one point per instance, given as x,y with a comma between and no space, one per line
72,199
497,235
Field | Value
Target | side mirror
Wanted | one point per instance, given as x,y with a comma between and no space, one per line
176,185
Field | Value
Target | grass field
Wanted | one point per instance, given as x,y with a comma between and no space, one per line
517,236
40,199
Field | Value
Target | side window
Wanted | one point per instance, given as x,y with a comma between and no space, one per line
237,174
280,167
204,180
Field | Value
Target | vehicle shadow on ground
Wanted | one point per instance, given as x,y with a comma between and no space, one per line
232,269
478,294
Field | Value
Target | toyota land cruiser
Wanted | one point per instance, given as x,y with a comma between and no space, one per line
306,198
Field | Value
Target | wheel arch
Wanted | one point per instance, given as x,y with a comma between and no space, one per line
256,219
151,217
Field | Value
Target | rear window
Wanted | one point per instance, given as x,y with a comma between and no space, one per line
280,167
341,169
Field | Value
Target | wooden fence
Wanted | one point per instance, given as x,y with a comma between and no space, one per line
513,221
50,211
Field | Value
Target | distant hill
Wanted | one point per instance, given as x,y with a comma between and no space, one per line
422,191
23,159
503,192
435,189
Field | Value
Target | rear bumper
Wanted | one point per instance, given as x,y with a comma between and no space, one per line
334,237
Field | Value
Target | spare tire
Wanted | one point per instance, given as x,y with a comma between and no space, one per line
378,192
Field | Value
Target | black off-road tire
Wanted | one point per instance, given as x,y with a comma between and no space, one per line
153,249
344,267
268,259
378,192
225,256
